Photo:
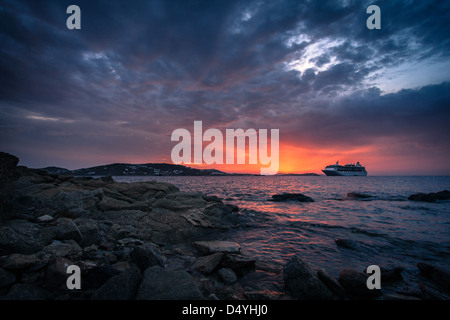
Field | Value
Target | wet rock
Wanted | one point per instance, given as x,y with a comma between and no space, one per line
61,249
211,198
161,284
355,284
397,296
291,197
389,275
263,295
238,263
169,204
66,229
119,232
147,255
227,275
439,276
331,283
431,294
232,292
430,197
19,236
206,264
357,196
89,230
123,286
19,261
56,273
45,218
25,291
208,247
110,204
72,202
6,278
96,276
8,174
347,243
302,282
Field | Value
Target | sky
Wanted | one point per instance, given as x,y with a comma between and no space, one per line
115,90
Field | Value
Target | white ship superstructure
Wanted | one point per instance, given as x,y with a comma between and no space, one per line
350,169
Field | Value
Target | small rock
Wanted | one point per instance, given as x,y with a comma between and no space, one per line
232,292
147,255
59,249
239,264
347,243
356,196
130,242
56,274
45,218
208,247
17,261
161,284
91,252
96,276
207,264
389,275
89,232
291,197
67,229
397,296
123,286
25,291
263,295
119,232
355,284
227,275
431,294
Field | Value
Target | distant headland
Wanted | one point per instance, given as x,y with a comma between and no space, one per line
150,169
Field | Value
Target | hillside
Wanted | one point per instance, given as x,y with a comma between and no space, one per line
125,169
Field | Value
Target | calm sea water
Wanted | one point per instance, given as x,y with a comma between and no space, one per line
386,230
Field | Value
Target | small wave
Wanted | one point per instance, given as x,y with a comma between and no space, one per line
331,226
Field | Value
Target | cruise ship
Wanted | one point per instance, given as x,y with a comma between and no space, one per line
347,170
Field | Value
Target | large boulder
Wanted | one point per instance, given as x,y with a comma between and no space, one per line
90,233
66,229
206,264
20,236
302,282
8,174
161,284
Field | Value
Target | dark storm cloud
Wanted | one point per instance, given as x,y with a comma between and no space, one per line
366,116
138,70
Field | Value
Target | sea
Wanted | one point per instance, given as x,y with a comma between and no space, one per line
385,229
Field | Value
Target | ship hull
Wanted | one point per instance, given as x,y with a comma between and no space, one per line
345,174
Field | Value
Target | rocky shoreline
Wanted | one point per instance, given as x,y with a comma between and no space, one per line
147,241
